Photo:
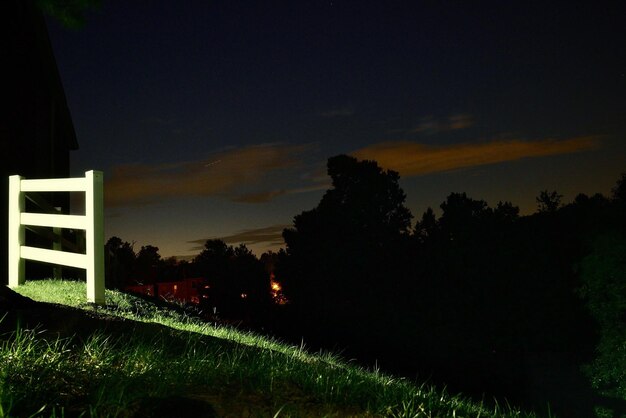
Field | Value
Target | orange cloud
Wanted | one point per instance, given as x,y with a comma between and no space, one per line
411,158
270,235
219,175
259,197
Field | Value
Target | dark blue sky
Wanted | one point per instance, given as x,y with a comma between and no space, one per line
215,118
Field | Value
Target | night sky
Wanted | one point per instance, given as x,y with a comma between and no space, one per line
214,119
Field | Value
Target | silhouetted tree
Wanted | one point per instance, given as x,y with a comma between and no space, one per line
213,263
147,263
239,284
270,260
251,283
619,191
506,212
427,227
214,259
548,202
462,215
119,262
343,257
339,249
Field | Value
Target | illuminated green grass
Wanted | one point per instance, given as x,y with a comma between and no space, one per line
188,363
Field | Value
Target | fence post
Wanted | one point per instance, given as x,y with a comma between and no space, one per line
57,270
94,236
16,232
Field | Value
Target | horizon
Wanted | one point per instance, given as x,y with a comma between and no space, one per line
216,120
241,237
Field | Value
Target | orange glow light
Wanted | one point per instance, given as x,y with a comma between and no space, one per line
276,291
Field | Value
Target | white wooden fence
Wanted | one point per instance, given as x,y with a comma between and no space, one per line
92,222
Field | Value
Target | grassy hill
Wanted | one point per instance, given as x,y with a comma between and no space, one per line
60,356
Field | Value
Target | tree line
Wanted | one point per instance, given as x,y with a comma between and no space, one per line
479,298
238,283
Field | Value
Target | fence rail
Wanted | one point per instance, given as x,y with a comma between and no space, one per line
92,223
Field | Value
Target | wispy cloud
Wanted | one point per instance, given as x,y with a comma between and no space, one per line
430,125
269,235
220,174
412,158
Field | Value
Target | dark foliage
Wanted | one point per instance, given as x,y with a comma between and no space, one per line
604,288
548,202
119,259
239,284
478,298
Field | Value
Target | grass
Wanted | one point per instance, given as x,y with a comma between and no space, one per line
134,358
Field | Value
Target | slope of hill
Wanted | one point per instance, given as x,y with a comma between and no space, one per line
61,356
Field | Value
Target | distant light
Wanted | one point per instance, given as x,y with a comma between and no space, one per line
276,292
244,295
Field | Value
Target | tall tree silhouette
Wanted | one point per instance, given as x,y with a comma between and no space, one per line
341,254
147,263
337,245
213,260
